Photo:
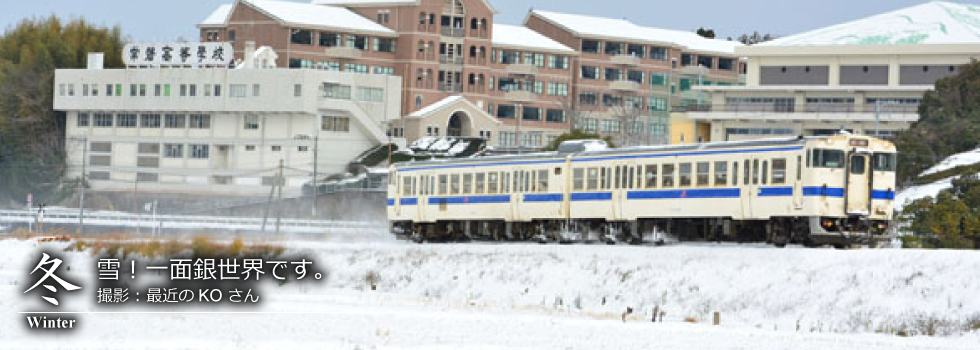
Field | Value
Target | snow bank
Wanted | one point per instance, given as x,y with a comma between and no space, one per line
959,159
911,194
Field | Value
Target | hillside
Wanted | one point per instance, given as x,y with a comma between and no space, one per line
939,177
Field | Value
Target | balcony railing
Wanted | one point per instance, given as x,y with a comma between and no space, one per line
626,60
624,85
521,69
454,32
449,59
444,87
807,108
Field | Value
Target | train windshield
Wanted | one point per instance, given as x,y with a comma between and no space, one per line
828,158
884,162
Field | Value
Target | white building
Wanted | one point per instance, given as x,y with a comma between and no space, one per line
863,75
219,130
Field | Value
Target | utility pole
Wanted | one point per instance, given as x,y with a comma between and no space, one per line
268,202
877,116
81,189
316,147
280,181
136,209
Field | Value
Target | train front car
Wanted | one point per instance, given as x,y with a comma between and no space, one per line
849,189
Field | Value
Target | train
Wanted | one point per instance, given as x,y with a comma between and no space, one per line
835,189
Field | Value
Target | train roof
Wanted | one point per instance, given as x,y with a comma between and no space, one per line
620,151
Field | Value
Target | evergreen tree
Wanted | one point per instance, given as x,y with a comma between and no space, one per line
32,134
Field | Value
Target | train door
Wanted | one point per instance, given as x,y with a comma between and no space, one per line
618,174
748,190
397,195
518,197
858,184
798,184
428,187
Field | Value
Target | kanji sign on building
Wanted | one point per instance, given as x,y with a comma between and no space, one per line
178,54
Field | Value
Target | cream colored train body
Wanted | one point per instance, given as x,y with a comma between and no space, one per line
833,189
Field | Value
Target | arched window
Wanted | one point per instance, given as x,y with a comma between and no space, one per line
421,46
472,51
422,17
483,52
432,19
472,79
474,24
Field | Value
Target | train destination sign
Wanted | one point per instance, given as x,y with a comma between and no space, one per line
178,54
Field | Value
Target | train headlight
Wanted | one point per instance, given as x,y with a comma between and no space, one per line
827,223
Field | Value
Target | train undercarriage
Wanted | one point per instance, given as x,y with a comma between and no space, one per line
808,231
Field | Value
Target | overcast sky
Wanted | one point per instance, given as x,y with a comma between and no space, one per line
164,20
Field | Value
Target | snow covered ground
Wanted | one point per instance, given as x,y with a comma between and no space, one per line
525,296
910,194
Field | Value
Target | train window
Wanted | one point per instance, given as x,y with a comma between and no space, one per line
765,172
443,184
578,179
492,183
616,178
481,179
828,158
778,171
748,166
542,181
528,181
734,173
799,168
755,172
467,183
883,162
857,165
517,181
704,173
593,179
406,186
684,175
668,175
604,178
629,183
557,171
454,183
432,184
505,182
808,158
721,173
425,185
651,176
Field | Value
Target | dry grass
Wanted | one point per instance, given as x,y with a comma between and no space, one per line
198,247
690,319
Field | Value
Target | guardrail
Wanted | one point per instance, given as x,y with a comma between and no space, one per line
70,216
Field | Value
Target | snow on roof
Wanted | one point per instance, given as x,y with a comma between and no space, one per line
317,16
218,17
362,2
621,28
934,22
436,106
523,37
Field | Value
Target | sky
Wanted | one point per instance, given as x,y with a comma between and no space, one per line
166,20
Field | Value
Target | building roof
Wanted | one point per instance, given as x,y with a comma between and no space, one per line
307,15
934,22
218,17
590,26
436,106
369,3
523,37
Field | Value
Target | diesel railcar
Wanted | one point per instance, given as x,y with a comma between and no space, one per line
834,189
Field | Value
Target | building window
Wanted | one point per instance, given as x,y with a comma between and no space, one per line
199,151
276,148
302,37
83,120
249,148
383,70
336,91
614,74
384,45
510,57
506,111
251,122
336,124
610,100
302,148
174,121
590,72
531,113
555,115
370,94
558,62
658,79
687,59
726,63
172,150
150,121
635,76
588,99
329,39
557,89
255,90
357,41
657,104
638,51
508,139
614,48
297,90
238,90
658,53
590,46
126,120
706,61
418,101
103,120
200,121
609,126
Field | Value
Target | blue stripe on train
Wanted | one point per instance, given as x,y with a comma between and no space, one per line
503,198
883,195
815,191
591,196
391,202
548,197
692,193
775,191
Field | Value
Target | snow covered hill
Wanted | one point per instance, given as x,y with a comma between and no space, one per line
932,189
